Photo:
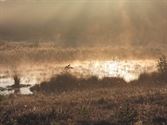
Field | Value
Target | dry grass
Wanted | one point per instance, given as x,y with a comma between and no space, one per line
101,106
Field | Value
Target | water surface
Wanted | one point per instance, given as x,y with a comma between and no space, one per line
35,74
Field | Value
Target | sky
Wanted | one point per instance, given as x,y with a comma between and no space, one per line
75,23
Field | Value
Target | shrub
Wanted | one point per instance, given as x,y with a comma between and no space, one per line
155,77
162,64
162,67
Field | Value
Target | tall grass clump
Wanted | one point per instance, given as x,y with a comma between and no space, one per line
16,80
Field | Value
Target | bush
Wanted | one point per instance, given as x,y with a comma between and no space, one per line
162,64
162,67
159,77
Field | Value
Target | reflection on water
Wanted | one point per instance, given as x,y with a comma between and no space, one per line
127,69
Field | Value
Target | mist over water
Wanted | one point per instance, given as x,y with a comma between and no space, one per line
127,26
113,38
35,74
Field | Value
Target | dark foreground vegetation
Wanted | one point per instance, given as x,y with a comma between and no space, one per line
68,82
67,100
105,106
